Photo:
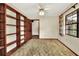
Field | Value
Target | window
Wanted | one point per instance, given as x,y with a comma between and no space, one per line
72,24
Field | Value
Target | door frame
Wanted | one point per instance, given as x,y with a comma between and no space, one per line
38,25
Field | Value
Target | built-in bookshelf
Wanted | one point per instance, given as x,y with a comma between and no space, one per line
13,31
22,29
61,25
10,29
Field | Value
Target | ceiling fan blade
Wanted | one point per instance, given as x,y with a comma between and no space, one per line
47,9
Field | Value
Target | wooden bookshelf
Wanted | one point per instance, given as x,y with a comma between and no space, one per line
22,37
61,25
13,29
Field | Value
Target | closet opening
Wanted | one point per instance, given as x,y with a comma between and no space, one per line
35,28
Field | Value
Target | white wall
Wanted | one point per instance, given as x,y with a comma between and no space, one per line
70,41
35,26
48,27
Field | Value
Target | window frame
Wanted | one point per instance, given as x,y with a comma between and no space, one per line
77,24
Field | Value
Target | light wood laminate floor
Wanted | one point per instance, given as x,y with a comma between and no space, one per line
39,47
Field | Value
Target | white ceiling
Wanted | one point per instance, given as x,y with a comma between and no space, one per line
31,9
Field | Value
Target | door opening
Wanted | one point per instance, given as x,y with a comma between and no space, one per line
35,29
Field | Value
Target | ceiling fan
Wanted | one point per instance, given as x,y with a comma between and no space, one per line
42,9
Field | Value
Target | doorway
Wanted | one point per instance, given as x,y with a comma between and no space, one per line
35,29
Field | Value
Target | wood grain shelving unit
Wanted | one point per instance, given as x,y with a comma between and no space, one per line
61,25
15,29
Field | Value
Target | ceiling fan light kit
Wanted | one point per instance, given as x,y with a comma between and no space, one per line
41,12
